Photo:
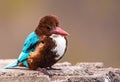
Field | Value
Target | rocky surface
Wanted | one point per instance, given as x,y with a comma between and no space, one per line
62,72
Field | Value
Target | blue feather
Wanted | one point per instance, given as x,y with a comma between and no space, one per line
14,64
29,46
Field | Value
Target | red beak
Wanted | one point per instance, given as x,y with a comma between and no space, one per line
59,31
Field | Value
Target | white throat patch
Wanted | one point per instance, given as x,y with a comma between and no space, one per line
60,45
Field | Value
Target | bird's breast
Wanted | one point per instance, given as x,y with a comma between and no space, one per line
60,45
48,52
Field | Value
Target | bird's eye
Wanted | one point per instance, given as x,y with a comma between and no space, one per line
48,28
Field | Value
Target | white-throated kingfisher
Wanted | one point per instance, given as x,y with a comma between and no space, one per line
43,47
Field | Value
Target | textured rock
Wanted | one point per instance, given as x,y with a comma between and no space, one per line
65,72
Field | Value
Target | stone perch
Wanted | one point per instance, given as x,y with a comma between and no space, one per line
81,72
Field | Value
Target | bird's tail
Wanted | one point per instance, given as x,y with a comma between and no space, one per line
14,64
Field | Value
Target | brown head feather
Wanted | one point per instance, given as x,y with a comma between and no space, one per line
46,25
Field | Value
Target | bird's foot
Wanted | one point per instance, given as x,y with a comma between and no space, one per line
51,68
44,70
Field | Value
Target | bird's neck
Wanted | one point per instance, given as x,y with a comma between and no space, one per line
38,32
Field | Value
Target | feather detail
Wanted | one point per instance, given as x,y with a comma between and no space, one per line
47,53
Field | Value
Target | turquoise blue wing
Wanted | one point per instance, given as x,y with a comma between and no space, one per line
29,46
30,42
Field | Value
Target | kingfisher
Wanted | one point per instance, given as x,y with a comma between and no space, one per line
48,33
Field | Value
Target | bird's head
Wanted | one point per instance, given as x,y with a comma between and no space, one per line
49,25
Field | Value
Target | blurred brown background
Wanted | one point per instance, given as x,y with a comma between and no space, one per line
93,25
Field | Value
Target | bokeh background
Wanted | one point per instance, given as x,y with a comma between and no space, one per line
93,25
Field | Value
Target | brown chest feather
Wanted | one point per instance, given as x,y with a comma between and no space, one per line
43,56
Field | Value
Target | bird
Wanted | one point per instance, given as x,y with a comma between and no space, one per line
49,50
48,26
